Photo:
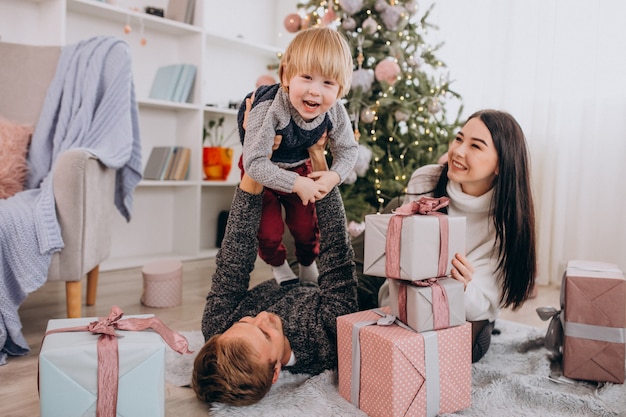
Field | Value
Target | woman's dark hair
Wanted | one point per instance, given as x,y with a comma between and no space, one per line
512,207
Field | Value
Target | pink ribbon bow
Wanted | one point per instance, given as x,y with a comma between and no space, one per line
108,360
424,206
441,308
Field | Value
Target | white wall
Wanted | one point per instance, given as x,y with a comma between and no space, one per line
559,67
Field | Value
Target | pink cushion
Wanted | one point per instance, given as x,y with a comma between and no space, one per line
14,140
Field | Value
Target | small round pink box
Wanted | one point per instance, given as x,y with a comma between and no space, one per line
162,283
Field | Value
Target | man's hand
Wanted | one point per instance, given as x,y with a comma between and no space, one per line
249,102
316,153
244,124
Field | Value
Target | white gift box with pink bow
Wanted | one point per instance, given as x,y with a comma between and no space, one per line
105,366
423,241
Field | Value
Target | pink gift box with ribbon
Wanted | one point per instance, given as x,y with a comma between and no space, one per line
429,304
387,369
594,302
415,242
592,322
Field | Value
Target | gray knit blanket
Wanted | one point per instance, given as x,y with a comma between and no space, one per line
516,378
90,105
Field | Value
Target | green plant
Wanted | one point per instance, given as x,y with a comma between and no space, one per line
213,134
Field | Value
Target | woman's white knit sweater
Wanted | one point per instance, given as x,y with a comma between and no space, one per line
482,296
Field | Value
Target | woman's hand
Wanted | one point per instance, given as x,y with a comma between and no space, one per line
462,269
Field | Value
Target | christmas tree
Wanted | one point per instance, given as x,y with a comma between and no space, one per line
398,95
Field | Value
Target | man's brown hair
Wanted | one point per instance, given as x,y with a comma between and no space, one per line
228,371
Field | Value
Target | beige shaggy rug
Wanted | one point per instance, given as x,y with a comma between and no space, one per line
516,378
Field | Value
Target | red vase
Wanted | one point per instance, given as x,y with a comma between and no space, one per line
217,162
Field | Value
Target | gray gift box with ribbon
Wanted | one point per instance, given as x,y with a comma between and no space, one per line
417,305
421,242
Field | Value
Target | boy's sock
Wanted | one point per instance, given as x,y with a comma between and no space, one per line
283,274
308,273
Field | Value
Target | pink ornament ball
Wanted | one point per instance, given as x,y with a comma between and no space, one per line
293,22
329,17
370,25
363,78
368,115
348,23
387,71
351,6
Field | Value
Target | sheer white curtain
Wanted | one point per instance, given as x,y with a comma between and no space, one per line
559,66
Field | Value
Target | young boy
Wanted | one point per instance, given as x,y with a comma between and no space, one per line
280,145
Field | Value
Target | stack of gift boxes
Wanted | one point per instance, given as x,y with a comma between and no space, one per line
413,357
590,329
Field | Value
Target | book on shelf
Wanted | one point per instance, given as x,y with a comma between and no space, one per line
185,84
168,163
158,160
167,172
165,81
181,168
174,82
181,10
189,12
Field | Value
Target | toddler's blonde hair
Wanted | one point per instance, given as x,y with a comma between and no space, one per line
323,50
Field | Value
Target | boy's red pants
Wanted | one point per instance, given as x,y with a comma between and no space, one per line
300,220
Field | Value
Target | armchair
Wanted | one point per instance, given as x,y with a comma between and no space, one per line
83,186
84,158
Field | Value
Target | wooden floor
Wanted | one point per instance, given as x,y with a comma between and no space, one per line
18,378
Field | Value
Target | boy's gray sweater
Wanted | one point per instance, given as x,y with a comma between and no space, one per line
308,313
273,114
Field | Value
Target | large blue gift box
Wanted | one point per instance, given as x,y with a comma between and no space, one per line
68,368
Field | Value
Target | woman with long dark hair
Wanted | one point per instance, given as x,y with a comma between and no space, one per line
487,178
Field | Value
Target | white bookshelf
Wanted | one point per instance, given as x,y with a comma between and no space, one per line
230,43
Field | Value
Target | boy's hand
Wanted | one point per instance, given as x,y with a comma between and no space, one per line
308,190
326,179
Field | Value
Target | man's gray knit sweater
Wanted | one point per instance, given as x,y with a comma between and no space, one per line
308,313
273,114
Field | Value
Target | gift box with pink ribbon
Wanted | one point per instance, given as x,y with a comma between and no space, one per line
105,366
415,242
430,304
590,329
386,369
